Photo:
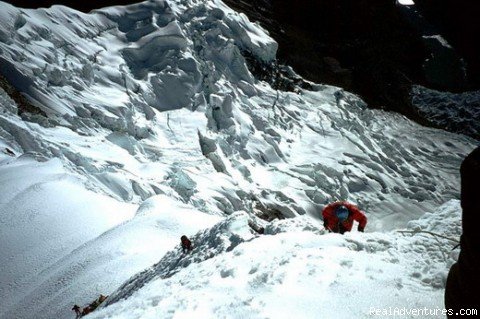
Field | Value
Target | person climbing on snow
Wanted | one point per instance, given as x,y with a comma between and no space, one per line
78,310
86,310
186,244
102,298
338,217
91,307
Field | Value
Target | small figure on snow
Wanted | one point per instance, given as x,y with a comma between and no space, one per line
9,152
78,310
186,244
102,298
93,306
338,217
86,311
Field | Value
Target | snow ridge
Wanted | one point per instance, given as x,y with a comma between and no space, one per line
300,270
223,237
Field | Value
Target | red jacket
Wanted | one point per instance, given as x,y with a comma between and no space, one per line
186,243
331,222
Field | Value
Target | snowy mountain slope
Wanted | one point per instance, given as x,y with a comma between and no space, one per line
458,112
294,271
100,265
128,148
156,98
45,213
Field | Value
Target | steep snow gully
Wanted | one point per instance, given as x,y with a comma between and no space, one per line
149,125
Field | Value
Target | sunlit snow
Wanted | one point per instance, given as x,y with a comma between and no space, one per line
406,2
156,128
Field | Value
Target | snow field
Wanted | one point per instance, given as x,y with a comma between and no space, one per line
297,272
152,109
101,264
34,195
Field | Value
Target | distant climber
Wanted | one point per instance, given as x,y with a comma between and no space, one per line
338,217
462,289
91,307
102,298
78,310
9,152
86,310
186,244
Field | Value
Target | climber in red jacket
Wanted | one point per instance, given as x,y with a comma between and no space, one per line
338,217
186,244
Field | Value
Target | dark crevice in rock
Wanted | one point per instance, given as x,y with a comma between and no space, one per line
24,106
267,213
278,75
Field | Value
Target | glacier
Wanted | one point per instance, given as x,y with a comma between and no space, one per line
146,123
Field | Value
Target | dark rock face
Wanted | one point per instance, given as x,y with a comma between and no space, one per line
458,20
470,195
463,283
444,69
363,46
374,48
